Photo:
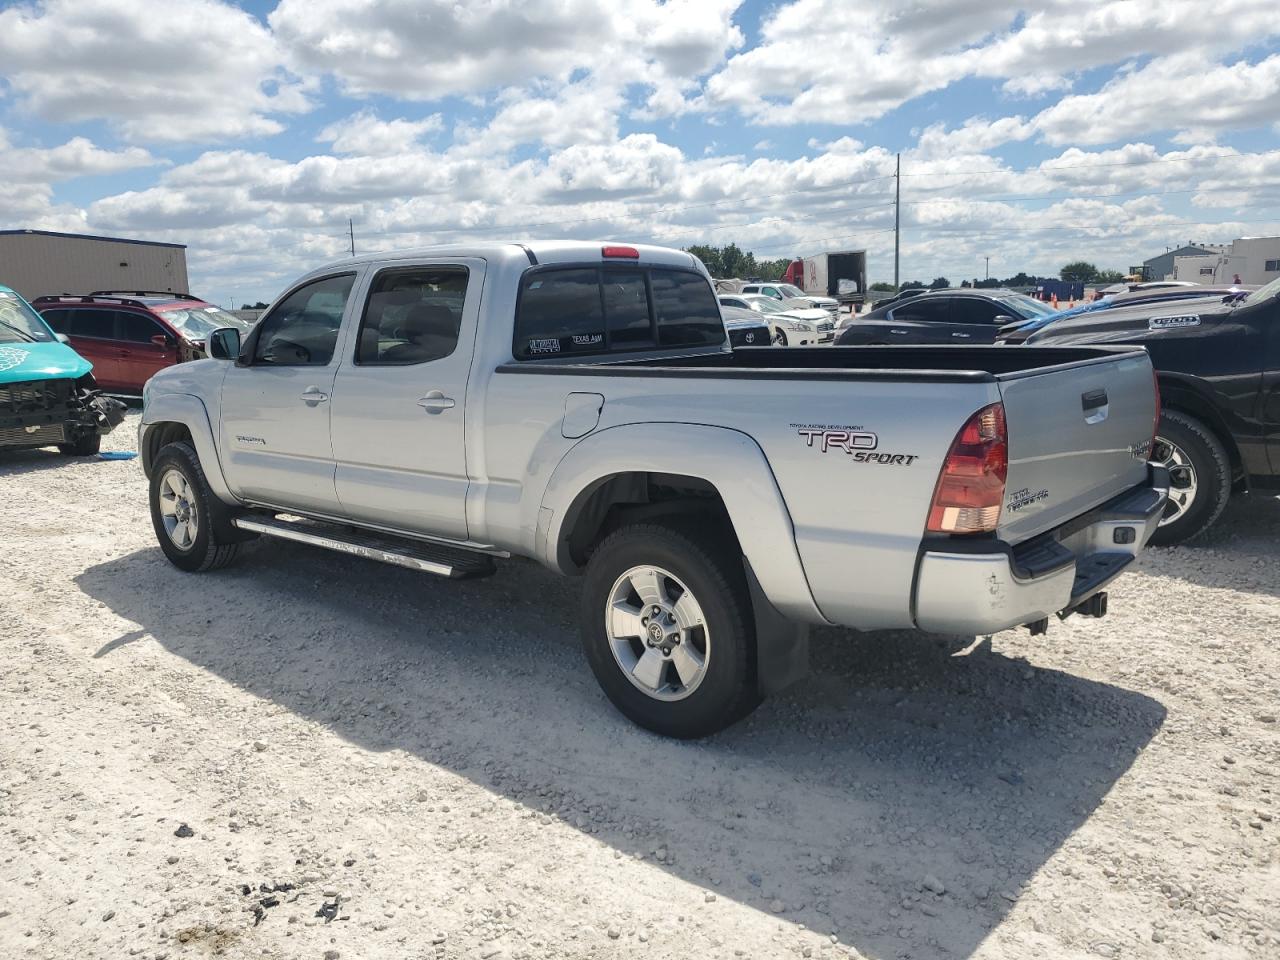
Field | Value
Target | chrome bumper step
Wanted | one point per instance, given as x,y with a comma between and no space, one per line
399,551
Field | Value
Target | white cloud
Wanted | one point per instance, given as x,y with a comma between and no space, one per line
429,49
177,71
1184,92
890,54
78,157
363,134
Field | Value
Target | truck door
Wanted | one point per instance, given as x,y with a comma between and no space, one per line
274,430
398,398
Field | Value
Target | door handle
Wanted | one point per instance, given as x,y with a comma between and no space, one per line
314,395
436,402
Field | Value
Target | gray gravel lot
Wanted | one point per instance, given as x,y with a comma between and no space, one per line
372,763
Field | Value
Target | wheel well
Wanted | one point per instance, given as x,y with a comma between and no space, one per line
158,436
1176,396
629,497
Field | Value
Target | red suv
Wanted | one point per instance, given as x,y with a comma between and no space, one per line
129,335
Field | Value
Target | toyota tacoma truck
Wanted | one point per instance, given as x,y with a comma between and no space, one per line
579,404
48,396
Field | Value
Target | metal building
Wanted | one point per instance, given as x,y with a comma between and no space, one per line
1161,267
37,263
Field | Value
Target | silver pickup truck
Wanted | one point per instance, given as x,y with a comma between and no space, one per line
578,404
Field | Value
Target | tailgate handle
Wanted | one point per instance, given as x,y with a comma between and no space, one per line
1093,400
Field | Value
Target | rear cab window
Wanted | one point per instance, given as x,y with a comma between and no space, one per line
614,309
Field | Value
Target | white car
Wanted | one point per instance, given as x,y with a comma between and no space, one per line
803,326
792,297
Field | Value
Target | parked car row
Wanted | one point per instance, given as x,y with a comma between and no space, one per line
798,326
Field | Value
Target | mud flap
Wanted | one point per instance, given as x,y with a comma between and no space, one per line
782,646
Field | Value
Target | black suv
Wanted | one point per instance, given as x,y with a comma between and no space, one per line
941,316
1217,360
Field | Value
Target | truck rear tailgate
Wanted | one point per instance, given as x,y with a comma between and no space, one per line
1079,434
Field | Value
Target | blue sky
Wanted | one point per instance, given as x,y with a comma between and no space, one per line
1105,131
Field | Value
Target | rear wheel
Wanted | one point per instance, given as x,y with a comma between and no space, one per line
667,628
1199,477
187,517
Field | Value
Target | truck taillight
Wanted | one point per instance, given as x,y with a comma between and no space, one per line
970,486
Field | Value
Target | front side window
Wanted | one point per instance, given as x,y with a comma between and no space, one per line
136,328
302,330
972,310
413,315
19,323
772,292
579,310
789,290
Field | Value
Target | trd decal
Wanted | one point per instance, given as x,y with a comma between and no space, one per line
859,444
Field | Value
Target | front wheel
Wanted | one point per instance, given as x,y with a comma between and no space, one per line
84,445
668,630
1199,477
779,338
185,512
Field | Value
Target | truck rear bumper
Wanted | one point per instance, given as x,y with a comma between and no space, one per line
979,587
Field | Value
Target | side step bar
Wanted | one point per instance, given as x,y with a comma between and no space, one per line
400,551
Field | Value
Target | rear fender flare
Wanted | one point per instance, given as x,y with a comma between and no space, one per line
729,460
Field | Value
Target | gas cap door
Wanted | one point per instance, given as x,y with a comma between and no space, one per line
581,414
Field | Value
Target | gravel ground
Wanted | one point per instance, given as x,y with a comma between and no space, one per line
313,756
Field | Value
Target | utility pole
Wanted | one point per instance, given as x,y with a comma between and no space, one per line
988,259
352,231
897,218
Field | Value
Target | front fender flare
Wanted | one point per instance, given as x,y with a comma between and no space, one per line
729,460
189,411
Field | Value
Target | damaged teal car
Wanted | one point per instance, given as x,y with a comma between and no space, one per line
48,396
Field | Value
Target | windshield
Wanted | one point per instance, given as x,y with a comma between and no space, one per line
767,305
19,323
196,323
1028,306
790,290
1263,293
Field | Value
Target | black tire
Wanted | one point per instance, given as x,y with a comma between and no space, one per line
1212,469
713,571
210,548
779,338
85,445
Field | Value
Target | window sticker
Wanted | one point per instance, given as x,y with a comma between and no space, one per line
544,345
587,339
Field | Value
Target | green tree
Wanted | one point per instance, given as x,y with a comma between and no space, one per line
1020,280
939,283
1081,270
912,285
883,286
772,269
1109,276
710,257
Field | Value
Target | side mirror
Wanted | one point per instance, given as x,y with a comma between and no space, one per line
224,343
1002,318
62,338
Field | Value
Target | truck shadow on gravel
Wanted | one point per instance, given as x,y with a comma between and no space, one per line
900,799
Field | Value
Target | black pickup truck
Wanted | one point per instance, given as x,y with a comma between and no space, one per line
1217,360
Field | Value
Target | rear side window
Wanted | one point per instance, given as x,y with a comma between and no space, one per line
59,321
923,311
412,315
582,310
94,323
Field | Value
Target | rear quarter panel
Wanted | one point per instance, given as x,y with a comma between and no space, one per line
856,462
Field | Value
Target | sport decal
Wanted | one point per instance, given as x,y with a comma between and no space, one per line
1165,323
